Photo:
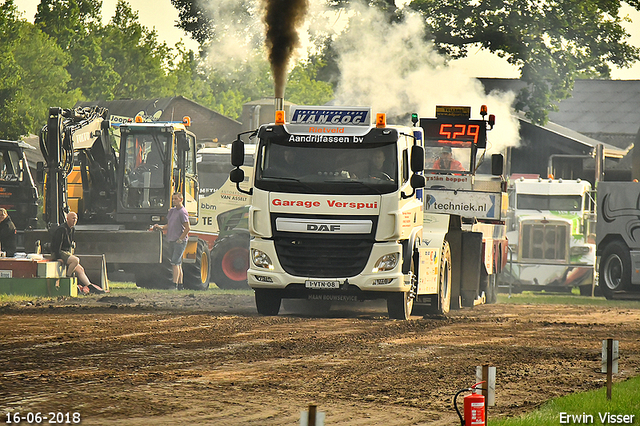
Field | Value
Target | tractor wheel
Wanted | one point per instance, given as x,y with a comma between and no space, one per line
196,275
615,269
230,262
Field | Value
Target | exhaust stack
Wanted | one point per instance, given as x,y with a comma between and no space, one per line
279,104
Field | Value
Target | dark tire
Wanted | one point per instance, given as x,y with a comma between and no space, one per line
230,262
615,269
196,275
268,301
491,291
399,305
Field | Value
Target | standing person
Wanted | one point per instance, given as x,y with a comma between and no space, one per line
7,233
62,247
178,228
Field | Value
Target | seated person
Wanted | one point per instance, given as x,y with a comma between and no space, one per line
447,162
376,171
62,247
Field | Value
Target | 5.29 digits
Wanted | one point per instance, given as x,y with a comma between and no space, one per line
39,418
457,131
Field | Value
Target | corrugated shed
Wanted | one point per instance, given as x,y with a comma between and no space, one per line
208,125
605,110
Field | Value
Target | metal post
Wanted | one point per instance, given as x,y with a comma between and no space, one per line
312,415
609,367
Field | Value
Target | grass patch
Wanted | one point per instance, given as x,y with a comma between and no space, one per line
625,400
531,298
118,287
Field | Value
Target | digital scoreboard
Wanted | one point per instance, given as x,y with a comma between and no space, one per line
453,127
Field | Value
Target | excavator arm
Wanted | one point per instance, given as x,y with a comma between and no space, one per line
81,132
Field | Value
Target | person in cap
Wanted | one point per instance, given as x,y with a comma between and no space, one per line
447,162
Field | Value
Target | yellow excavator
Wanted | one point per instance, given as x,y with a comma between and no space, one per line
119,179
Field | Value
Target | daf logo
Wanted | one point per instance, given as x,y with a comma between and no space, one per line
322,228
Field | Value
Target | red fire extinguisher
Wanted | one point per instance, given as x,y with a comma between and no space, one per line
474,414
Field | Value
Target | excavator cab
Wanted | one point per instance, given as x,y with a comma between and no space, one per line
157,159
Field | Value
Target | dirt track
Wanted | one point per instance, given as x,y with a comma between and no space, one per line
201,358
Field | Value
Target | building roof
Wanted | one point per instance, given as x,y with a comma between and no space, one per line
605,110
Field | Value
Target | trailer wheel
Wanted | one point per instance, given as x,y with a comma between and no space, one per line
268,301
196,275
615,269
230,262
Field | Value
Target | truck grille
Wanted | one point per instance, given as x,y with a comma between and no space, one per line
321,257
545,241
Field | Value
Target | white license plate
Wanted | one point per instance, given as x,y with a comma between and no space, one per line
322,284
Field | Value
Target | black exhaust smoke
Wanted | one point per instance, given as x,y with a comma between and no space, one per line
282,19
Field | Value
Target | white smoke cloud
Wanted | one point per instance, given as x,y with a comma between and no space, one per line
238,33
390,67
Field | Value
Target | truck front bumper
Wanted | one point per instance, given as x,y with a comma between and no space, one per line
369,280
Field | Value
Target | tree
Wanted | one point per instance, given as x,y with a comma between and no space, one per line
32,75
140,61
76,26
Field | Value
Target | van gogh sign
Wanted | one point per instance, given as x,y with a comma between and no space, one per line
331,116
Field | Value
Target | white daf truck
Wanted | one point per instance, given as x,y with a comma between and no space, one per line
551,231
337,215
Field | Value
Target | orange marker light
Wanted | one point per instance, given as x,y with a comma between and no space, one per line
381,119
280,117
483,110
138,119
186,120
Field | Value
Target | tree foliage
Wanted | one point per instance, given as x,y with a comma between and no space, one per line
32,75
68,55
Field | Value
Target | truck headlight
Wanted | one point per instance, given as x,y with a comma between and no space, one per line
387,262
261,260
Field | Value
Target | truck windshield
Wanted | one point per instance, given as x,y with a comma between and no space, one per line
144,168
365,168
448,159
10,166
571,203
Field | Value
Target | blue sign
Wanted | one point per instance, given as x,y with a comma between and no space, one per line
331,116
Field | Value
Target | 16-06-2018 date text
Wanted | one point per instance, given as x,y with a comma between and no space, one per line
51,417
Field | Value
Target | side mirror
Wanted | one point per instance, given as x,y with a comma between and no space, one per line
236,175
237,153
417,160
497,164
417,181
